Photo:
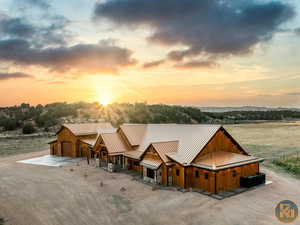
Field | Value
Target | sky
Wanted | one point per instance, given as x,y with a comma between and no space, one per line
183,52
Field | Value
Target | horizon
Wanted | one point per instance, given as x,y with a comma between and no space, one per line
183,105
239,54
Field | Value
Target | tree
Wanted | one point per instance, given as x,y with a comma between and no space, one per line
28,128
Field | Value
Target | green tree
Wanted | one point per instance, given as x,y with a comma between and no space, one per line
28,128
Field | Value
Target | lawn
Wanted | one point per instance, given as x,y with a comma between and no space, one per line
272,141
14,146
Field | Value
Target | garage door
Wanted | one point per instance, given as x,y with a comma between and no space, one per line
67,149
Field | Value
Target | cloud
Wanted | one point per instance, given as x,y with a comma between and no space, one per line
42,4
81,58
207,27
152,64
294,93
16,75
56,82
53,33
195,64
297,31
16,27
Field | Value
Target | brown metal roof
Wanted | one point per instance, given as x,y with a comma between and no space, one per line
114,143
165,147
88,128
191,138
133,154
220,160
89,141
135,133
151,163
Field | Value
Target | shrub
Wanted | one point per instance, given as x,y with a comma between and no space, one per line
28,128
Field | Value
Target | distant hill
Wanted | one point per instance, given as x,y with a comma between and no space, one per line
49,117
245,108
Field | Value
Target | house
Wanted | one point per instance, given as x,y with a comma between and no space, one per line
204,157
75,140
109,148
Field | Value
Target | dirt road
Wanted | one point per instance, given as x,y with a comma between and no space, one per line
41,195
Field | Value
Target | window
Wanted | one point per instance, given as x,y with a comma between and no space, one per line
197,173
104,153
177,172
150,173
135,163
234,173
206,176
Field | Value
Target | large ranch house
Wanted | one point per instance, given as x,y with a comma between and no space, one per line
204,157
76,140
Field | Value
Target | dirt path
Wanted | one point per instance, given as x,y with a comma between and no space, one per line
40,195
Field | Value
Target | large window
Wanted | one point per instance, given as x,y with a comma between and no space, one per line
150,173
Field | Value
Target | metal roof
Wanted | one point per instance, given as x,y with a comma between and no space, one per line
87,128
191,138
114,143
220,160
151,163
89,141
133,154
165,147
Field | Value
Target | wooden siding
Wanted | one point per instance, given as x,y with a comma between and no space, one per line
220,142
133,164
230,178
201,179
65,135
178,174
66,138
53,148
83,149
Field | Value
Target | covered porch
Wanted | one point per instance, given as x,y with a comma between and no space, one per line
152,171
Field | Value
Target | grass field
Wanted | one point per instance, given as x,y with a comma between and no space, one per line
14,146
273,141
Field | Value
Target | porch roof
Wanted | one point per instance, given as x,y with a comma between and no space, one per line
133,154
151,163
222,160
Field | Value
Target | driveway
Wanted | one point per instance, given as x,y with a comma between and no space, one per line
51,160
79,194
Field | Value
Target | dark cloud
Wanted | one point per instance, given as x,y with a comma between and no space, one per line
195,64
206,27
17,75
152,64
16,27
54,33
82,58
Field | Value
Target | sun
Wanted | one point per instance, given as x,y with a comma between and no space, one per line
104,99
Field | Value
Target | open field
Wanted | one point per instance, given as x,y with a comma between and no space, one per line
12,146
268,140
41,195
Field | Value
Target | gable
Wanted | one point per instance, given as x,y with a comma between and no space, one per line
65,134
99,142
151,153
221,141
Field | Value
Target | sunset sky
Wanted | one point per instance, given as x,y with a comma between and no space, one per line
189,52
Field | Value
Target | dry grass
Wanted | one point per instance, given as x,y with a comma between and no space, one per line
272,141
23,145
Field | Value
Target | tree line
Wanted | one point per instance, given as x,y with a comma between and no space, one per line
30,118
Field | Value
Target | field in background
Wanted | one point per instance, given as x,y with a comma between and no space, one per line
278,141
13,146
